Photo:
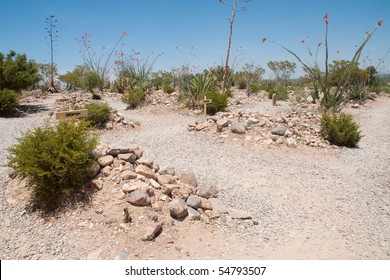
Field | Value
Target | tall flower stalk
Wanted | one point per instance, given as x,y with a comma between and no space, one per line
98,63
332,97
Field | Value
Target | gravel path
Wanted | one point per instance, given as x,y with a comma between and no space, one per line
309,203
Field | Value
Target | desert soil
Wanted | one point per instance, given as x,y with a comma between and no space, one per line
306,203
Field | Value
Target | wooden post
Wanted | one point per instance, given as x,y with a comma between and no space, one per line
274,99
205,102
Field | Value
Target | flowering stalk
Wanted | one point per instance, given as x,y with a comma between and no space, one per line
96,64
332,99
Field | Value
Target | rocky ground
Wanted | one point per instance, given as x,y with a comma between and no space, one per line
309,202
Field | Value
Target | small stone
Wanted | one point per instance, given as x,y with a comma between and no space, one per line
183,191
146,171
201,126
126,188
109,126
222,123
238,127
239,214
167,170
95,255
97,185
194,201
152,231
147,162
279,130
120,194
291,143
128,157
205,204
128,175
193,214
178,209
154,184
207,191
218,205
105,160
139,198
165,179
116,151
94,170
188,178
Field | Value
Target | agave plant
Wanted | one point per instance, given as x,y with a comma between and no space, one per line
196,88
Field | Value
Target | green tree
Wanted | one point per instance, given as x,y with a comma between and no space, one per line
73,79
16,72
90,81
282,69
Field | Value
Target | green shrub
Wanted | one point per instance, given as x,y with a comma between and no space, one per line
281,93
219,102
168,89
98,113
242,83
254,88
134,98
55,160
8,102
340,130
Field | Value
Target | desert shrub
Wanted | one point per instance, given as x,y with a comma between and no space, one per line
55,160
281,93
168,89
358,92
219,102
340,129
98,113
8,102
254,88
133,98
242,83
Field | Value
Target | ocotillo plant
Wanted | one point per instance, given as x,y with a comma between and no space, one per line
332,97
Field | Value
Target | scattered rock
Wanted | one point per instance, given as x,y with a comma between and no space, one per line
147,162
167,170
188,178
146,171
239,214
139,198
117,151
126,188
165,179
218,205
129,157
279,130
291,143
95,169
105,160
238,127
178,209
128,175
97,185
207,191
194,201
152,231
222,123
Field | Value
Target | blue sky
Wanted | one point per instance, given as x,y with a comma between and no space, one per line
195,32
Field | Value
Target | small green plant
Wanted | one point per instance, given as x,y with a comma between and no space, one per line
219,102
281,93
98,113
168,89
134,98
340,129
55,160
8,102
254,88
194,89
358,92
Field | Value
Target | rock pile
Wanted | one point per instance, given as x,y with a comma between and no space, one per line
119,122
299,126
142,183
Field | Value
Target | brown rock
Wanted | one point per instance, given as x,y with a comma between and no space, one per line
105,160
139,198
97,184
129,157
152,231
178,209
165,179
128,175
147,162
188,178
146,171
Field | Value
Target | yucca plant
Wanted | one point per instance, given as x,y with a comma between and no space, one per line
195,89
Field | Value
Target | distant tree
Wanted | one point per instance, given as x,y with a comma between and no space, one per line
46,71
234,11
16,72
73,79
90,81
282,69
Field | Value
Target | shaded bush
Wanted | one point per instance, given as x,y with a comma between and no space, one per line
55,160
340,129
254,88
134,98
219,102
8,102
98,113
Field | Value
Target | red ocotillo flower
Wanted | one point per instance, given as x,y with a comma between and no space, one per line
263,40
380,22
